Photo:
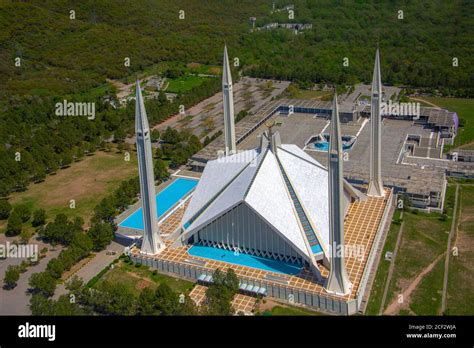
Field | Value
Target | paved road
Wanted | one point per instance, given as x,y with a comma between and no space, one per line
97,264
16,301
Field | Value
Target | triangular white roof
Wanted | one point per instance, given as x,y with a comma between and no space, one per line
269,197
258,182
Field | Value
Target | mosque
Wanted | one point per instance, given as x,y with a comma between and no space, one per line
274,214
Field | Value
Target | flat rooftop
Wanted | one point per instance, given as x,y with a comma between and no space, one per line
418,174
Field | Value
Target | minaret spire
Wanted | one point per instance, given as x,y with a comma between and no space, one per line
151,243
338,281
228,106
375,181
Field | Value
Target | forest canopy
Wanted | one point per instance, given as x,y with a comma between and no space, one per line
60,55
46,57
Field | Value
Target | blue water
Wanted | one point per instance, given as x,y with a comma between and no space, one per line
245,260
316,249
324,146
165,200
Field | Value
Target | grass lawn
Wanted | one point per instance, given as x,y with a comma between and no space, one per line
424,238
378,286
460,296
465,110
426,298
197,68
290,310
137,278
87,182
184,83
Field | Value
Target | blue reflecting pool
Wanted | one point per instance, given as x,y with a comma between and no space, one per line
245,259
165,200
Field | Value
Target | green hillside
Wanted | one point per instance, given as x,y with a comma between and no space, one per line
63,55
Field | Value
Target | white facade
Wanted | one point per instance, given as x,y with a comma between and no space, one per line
273,202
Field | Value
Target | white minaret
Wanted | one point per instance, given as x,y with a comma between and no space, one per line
151,239
375,182
228,106
338,281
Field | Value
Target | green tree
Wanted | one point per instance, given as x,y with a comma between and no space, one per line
166,300
158,153
231,281
25,236
146,303
5,208
55,267
101,235
12,274
39,217
14,225
161,171
219,295
82,244
154,135
171,136
105,211
39,173
186,306
43,283
66,159
65,307
119,135
23,211
120,300
40,305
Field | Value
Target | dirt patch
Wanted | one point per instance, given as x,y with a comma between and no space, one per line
214,70
267,306
143,283
193,65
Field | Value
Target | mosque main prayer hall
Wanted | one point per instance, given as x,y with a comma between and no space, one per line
291,229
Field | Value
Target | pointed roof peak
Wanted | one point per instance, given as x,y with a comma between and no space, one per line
138,90
141,120
377,78
335,106
226,74
335,135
